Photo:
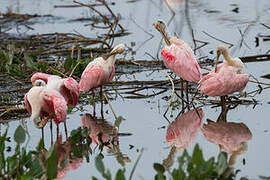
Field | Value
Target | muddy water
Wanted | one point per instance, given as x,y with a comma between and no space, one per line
144,116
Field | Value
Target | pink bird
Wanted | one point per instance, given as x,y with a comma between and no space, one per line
182,132
226,78
68,87
42,102
231,137
99,72
179,57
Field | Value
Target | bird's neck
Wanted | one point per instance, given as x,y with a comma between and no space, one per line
110,60
166,36
228,58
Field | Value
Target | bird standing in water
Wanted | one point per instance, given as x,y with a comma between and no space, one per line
226,78
99,72
179,57
68,87
42,102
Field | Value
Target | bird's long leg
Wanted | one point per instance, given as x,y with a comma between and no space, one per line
169,22
101,102
94,103
182,92
57,131
187,95
223,105
42,133
51,133
65,125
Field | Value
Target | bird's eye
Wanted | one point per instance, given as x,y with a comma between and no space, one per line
160,22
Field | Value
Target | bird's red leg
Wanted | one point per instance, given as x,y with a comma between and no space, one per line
187,95
101,102
182,93
65,125
94,103
51,133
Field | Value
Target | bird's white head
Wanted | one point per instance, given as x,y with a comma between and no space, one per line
39,82
162,28
118,49
235,62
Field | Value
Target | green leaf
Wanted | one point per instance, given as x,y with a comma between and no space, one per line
19,135
52,163
221,164
99,164
159,167
197,156
120,175
94,178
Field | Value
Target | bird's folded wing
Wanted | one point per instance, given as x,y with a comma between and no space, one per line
91,78
40,76
58,103
73,88
27,105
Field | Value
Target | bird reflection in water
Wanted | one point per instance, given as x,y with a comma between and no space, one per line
231,137
174,6
104,135
64,158
182,132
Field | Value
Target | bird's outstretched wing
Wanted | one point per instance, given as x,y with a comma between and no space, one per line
91,78
41,76
57,103
72,88
27,105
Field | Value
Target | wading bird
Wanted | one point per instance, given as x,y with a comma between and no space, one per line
45,103
68,87
179,57
226,78
99,72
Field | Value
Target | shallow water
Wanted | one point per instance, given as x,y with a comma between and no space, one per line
144,117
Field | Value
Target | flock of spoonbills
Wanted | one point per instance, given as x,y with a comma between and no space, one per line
51,95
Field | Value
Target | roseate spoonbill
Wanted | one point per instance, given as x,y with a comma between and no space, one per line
179,57
42,102
183,131
68,87
231,137
226,78
103,131
99,72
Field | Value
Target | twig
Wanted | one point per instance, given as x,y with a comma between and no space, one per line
105,95
217,39
171,99
135,165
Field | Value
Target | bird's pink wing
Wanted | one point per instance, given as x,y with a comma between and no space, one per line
27,105
180,58
56,104
41,76
72,89
91,78
112,74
